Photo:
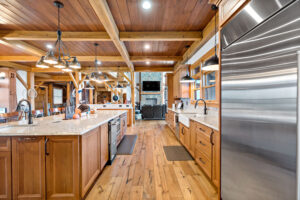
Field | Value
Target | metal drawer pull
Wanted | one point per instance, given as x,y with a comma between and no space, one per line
211,138
201,160
27,139
46,141
202,143
201,129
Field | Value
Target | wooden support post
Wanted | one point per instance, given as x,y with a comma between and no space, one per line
22,81
46,102
68,92
91,96
132,96
96,95
76,88
50,96
30,83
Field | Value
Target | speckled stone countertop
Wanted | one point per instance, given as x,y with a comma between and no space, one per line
56,125
210,120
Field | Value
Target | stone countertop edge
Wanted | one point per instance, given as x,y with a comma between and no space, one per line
214,125
49,123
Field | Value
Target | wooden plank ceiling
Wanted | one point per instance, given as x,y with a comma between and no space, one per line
170,27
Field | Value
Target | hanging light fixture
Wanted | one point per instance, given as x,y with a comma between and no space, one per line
64,60
41,63
212,64
187,79
118,85
67,68
87,83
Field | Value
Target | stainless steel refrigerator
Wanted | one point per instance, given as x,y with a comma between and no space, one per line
259,102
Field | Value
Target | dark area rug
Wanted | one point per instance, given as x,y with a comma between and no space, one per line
177,153
127,145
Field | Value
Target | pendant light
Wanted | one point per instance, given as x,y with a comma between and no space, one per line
67,68
187,78
118,85
212,64
41,63
63,60
87,83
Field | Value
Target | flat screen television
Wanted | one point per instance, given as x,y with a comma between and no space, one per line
151,85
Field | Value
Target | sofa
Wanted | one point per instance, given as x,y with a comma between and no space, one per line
153,111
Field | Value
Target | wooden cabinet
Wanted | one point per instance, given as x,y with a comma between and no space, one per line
90,158
216,154
28,168
170,85
5,168
228,8
62,167
184,135
170,119
104,145
180,90
193,126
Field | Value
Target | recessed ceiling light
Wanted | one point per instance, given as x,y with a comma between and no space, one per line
49,46
147,46
98,62
148,62
146,5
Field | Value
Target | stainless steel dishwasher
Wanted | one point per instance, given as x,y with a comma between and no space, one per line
114,127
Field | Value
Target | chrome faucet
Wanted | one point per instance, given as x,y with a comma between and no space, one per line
205,108
30,113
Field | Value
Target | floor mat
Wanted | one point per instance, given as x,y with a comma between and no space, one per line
127,145
177,153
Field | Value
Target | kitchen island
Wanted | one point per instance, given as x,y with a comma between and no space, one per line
53,158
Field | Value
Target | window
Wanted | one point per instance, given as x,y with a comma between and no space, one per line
57,96
205,81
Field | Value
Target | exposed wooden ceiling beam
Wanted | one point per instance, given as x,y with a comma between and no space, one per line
102,36
102,11
22,81
105,69
15,66
92,58
126,77
32,50
49,70
161,36
73,80
153,69
54,79
207,32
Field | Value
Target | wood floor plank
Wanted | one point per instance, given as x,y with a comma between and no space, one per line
148,175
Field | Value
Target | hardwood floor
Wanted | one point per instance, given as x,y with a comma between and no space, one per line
147,174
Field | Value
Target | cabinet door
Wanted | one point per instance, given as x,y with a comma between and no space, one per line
28,167
104,145
90,159
62,167
228,8
5,168
181,133
187,138
193,138
216,159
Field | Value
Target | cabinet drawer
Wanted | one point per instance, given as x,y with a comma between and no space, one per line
5,144
203,144
204,162
203,129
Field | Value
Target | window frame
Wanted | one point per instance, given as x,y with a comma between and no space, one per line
62,95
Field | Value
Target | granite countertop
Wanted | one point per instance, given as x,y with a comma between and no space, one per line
210,120
55,125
